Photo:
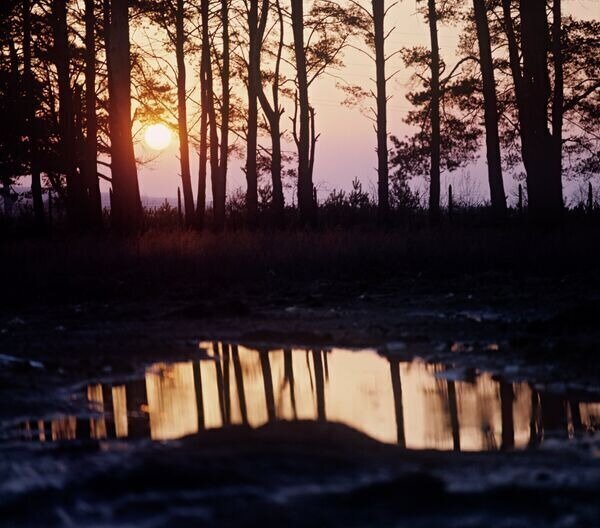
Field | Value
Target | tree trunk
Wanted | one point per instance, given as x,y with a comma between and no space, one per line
434,174
127,212
219,206
381,81
212,112
254,45
558,100
91,138
30,106
272,112
203,155
305,185
492,137
543,183
184,148
76,202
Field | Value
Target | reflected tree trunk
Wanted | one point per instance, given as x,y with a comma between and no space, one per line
453,409
219,376
576,416
288,369
199,396
554,413
226,382
107,403
398,404
507,398
239,378
319,384
268,384
137,397
535,425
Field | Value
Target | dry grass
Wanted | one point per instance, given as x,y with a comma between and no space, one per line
174,263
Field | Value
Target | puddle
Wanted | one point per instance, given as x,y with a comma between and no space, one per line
411,404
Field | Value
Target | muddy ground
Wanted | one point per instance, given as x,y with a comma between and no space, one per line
543,329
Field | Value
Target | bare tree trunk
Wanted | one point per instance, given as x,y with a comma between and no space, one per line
254,46
211,110
492,137
305,185
381,82
434,174
203,154
184,148
76,206
272,112
127,212
219,205
558,100
91,138
532,94
36,180
207,114
543,183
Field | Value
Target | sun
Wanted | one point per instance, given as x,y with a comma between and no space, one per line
158,136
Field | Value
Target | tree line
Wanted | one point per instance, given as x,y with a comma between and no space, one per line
524,88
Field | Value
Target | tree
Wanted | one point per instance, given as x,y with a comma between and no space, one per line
375,35
90,168
13,154
435,146
532,91
443,139
329,27
127,207
172,16
219,180
271,108
303,137
31,124
494,160
255,37
76,194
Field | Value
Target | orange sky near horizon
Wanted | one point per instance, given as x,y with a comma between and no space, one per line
346,146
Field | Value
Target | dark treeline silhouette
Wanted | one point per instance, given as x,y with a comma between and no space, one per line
524,87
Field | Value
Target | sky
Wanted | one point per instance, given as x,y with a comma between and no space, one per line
346,145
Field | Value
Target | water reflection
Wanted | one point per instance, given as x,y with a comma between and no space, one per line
412,404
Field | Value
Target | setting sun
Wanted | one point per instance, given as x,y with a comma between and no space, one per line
158,136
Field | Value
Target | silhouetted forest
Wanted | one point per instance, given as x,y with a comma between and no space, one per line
523,92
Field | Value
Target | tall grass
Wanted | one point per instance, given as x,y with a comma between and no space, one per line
188,264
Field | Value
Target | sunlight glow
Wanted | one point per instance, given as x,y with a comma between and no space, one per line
158,136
